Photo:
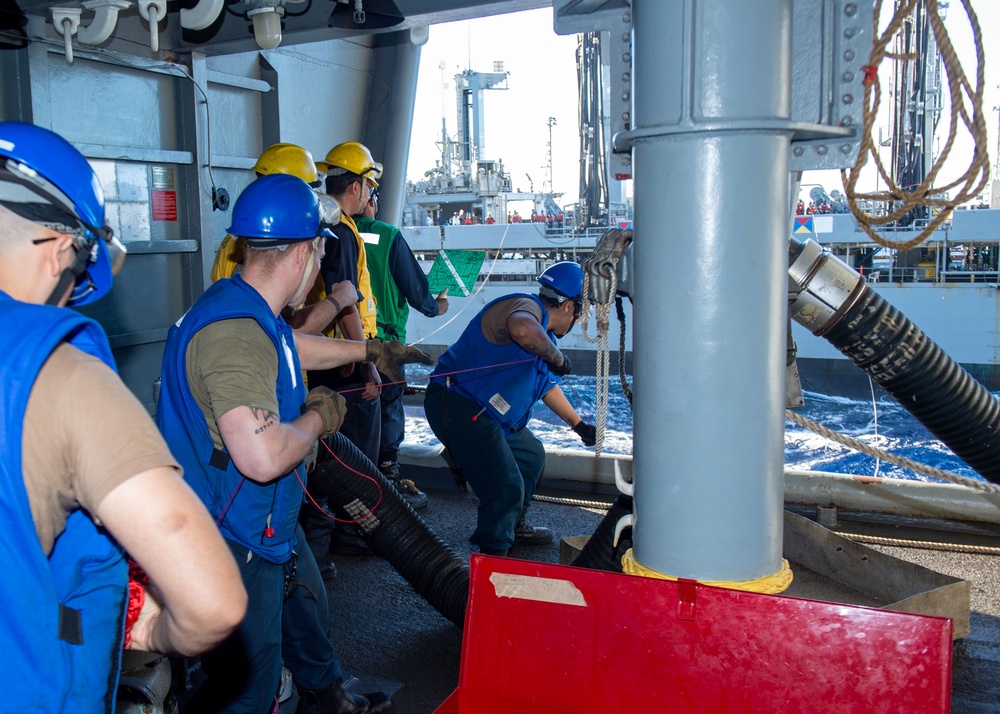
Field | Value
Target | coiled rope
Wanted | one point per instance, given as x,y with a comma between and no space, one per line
604,263
975,178
602,369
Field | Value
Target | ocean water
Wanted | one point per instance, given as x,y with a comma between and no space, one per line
884,424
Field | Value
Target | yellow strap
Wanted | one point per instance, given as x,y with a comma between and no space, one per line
769,584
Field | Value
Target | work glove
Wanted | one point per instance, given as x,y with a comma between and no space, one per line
389,357
329,405
586,432
563,369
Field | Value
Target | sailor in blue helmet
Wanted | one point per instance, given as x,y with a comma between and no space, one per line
235,411
482,392
83,471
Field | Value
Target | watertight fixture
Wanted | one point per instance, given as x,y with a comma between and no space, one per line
153,11
266,18
365,15
202,15
66,21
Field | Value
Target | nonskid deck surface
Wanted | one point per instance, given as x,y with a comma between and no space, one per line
390,638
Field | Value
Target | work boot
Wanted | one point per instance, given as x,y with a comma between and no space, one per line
530,535
334,700
404,486
346,539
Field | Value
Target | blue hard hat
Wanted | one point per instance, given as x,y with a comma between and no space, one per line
276,209
44,179
562,280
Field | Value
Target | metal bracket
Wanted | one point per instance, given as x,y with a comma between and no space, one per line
831,43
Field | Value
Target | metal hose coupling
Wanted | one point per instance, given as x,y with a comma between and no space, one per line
821,287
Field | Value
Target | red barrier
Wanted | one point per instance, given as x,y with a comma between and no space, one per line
550,639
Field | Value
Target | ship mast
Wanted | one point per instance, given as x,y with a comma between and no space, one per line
594,197
917,98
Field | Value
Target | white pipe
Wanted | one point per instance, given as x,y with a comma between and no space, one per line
66,20
105,19
153,11
201,15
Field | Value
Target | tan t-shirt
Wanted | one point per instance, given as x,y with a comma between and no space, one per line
85,433
495,319
232,363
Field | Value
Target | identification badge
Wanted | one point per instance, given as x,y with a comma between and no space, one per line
499,403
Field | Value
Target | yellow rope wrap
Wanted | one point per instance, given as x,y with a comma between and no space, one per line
768,585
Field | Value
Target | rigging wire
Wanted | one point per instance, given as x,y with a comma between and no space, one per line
973,181
976,484
871,386
476,292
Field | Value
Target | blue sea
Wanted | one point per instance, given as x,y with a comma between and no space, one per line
881,422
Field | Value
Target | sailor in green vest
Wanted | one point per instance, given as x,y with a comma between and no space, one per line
397,282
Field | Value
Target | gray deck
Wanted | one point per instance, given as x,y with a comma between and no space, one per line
390,638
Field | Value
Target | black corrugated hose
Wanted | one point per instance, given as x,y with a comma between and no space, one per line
394,531
928,383
600,552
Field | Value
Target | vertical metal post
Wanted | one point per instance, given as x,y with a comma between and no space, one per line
392,99
710,150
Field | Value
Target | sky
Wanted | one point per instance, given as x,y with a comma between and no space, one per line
543,84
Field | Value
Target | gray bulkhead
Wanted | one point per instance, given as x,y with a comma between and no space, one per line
151,133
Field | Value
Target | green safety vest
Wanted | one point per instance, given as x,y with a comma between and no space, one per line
393,310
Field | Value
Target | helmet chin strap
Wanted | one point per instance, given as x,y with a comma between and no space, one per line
71,274
305,273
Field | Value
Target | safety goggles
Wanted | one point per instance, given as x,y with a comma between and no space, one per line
329,210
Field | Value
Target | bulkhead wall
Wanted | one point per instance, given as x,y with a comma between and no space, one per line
165,137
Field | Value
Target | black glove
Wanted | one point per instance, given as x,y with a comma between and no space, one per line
389,357
586,432
329,405
563,369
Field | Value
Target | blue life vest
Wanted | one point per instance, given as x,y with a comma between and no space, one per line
63,615
259,516
505,380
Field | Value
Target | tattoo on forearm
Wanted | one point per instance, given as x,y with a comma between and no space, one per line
266,417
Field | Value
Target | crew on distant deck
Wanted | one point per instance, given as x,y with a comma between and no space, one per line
482,392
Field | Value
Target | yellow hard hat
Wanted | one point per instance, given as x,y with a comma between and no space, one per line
354,157
287,159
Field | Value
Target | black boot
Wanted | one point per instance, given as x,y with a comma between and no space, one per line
404,486
334,700
530,535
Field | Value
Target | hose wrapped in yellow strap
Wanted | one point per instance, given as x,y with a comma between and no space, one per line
768,585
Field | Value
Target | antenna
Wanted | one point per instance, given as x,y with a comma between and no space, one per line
551,123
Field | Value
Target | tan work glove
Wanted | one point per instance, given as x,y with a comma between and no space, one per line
389,357
329,405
